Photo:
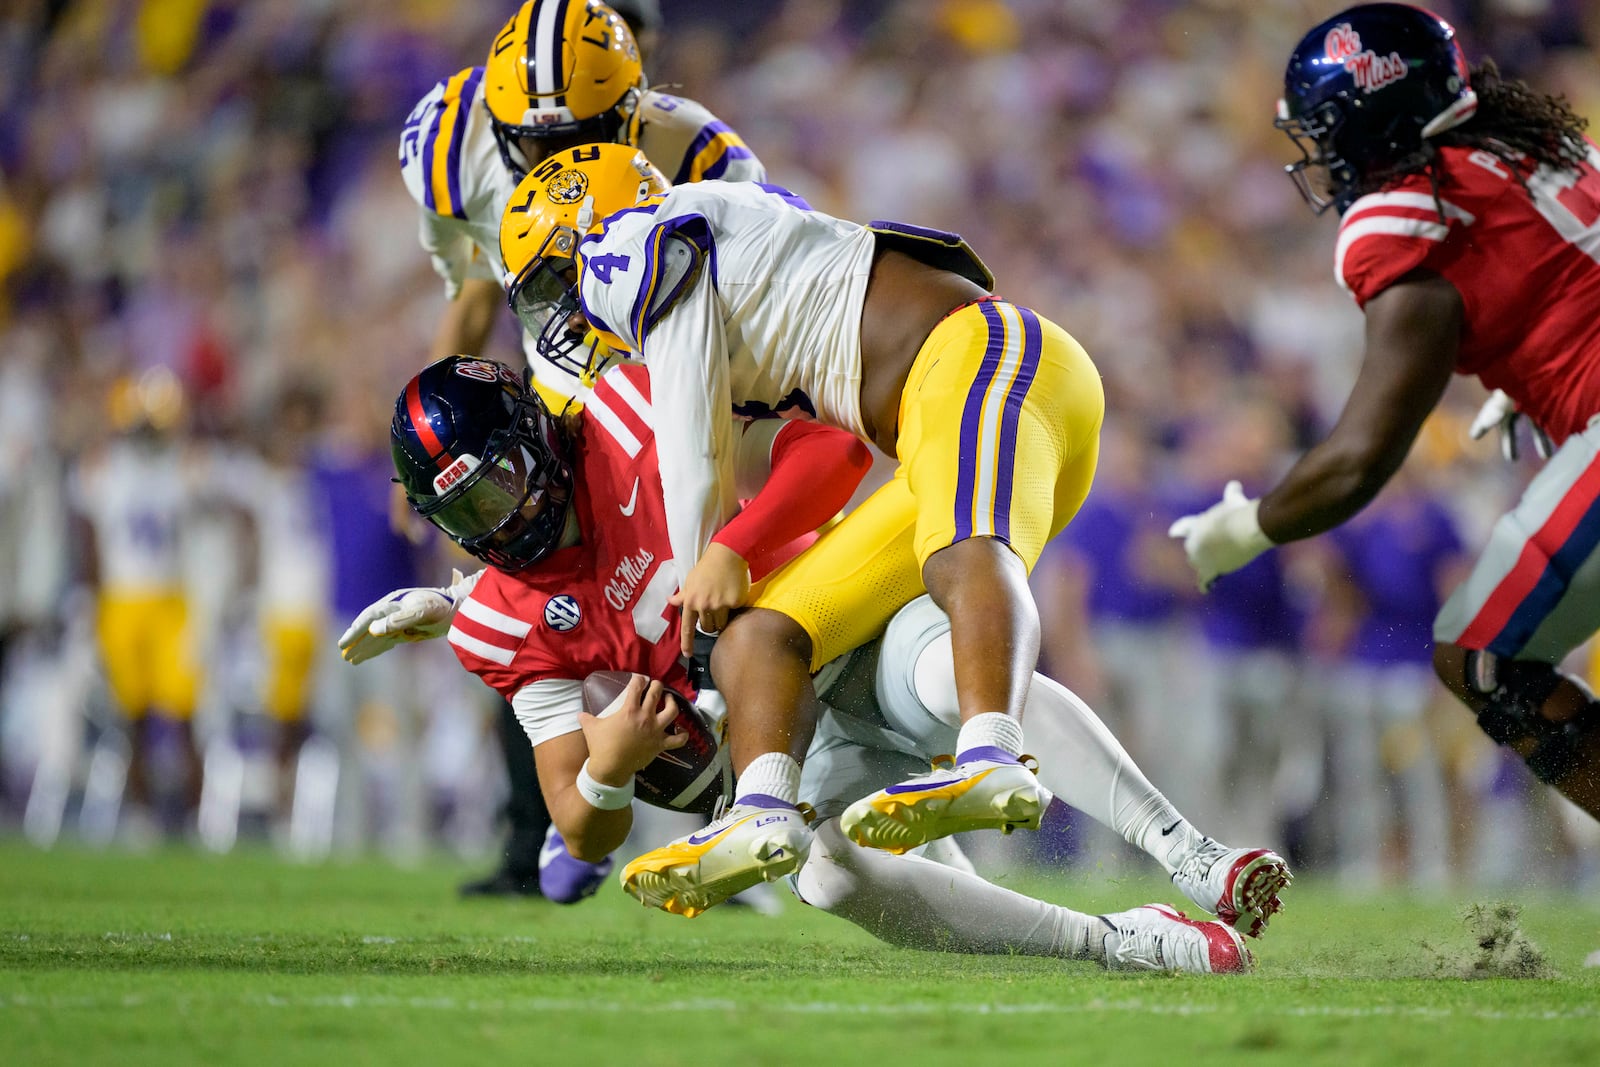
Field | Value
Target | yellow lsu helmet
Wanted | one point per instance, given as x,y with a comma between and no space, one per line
152,403
557,204
565,71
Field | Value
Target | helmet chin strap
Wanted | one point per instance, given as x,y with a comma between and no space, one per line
585,216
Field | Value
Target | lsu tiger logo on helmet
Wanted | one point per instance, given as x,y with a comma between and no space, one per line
565,69
568,187
562,200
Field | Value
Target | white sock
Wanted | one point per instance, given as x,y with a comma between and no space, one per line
1080,760
1084,764
991,729
773,774
915,903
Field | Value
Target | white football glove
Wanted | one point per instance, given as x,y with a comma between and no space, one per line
1222,538
1500,410
404,615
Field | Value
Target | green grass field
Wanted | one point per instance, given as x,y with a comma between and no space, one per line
182,958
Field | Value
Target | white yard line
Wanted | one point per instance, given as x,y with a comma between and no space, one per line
547,1005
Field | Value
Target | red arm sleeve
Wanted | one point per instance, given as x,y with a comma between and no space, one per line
815,469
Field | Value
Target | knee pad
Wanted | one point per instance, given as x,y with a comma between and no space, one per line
1515,691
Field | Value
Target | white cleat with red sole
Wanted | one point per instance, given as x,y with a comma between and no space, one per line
1240,886
1156,937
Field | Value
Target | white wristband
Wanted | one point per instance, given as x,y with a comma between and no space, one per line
599,795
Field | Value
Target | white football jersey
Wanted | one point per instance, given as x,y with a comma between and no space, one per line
138,500
452,168
292,553
769,321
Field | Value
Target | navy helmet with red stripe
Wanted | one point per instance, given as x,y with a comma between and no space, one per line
1363,93
481,458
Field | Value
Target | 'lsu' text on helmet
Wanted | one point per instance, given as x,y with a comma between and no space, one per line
565,69
1365,90
481,458
561,201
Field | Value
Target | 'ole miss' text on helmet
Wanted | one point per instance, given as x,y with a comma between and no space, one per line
1364,91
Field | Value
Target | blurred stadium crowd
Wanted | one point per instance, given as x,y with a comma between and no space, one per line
210,292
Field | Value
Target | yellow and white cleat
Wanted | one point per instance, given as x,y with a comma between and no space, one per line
760,839
984,793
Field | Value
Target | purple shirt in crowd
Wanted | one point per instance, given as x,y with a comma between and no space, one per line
1250,608
369,559
1395,553
1107,532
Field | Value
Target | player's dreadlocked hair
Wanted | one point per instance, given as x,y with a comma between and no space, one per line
1513,123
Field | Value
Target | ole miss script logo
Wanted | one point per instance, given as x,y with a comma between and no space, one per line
1370,70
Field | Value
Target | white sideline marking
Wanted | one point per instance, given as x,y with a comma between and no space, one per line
542,1005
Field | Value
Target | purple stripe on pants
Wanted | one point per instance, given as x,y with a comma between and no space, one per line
1005,467
972,421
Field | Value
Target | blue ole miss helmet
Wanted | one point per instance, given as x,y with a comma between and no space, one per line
1365,90
481,458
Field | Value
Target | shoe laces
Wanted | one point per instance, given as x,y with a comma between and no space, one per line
725,805
947,762
1140,947
1196,866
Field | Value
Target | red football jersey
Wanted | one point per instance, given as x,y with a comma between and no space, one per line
600,605
1527,269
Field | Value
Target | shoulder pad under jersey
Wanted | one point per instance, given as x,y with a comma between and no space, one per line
936,248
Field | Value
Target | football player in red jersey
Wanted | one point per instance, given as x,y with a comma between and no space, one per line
1470,237
576,586
483,459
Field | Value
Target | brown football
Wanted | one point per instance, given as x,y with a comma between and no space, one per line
684,779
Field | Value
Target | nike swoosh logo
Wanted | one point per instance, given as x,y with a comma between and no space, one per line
633,500
702,838
913,787
1171,828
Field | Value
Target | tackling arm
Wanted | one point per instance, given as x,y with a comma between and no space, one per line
806,472
1413,330
686,348
812,472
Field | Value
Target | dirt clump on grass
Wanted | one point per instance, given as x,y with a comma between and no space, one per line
1500,948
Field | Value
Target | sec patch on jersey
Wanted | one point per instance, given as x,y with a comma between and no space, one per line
686,779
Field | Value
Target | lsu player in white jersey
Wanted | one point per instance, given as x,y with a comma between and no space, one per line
743,297
560,73
133,498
